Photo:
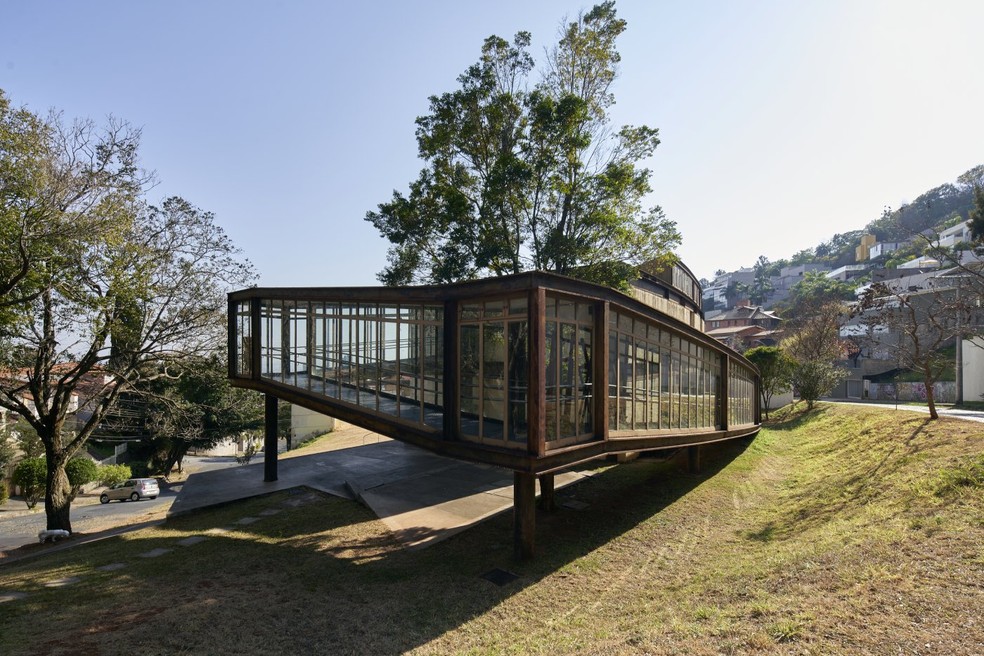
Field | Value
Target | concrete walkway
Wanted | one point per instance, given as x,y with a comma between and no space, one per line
421,497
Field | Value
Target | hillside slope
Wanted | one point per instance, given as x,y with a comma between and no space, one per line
842,531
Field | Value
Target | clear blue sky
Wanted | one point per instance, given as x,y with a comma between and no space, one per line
782,122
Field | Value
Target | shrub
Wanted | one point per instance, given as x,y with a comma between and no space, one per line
814,379
80,471
30,475
113,474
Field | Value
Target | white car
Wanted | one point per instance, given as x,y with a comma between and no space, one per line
133,489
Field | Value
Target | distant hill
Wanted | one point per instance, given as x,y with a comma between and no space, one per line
935,209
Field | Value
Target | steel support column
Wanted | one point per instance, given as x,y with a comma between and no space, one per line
270,438
524,514
548,501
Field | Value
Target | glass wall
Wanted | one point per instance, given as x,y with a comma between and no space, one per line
244,339
494,371
568,370
658,380
741,396
386,358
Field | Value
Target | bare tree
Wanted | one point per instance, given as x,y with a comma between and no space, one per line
914,328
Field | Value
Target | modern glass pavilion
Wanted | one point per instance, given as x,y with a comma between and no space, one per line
532,372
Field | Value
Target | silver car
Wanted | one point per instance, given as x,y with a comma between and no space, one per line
133,489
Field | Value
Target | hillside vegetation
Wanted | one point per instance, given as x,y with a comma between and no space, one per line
845,530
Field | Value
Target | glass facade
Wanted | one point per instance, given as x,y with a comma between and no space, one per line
568,374
387,358
658,380
493,371
741,399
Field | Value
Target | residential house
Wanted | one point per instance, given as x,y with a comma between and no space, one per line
745,327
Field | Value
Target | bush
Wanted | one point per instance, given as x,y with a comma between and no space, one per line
815,379
30,475
113,474
80,471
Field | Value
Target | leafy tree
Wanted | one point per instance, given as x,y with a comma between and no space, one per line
100,287
520,177
762,286
30,475
27,438
81,471
814,291
814,379
735,291
813,342
7,452
195,407
775,369
977,215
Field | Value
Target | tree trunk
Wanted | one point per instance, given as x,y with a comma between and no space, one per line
930,400
58,497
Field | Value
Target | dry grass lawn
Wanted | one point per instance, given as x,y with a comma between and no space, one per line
843,531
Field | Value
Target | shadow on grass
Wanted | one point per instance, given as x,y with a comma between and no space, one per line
843,489
322,577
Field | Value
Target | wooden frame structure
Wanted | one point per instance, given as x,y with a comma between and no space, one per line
533,372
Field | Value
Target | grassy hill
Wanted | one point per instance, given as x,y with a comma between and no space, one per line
846,530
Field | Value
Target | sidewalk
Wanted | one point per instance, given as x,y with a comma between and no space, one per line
955,413
421,497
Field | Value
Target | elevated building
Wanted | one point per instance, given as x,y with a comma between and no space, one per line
532,372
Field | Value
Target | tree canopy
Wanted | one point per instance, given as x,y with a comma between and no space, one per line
99,289
524,175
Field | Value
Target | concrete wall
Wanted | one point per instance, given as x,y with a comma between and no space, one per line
780,400
973,369
945,392
306,423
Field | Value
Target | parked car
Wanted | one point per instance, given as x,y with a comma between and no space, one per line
133,489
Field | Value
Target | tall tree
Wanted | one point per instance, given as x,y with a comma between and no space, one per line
195,407
526,176
977,215
813,342
775,371
762,286
112,287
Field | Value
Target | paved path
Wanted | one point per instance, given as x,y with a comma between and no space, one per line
421,497
956,413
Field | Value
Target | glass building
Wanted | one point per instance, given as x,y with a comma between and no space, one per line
533,372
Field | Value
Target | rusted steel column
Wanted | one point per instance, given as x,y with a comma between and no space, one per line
693,459
524,514
270,439
548,501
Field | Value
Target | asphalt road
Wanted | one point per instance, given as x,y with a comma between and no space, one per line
19,527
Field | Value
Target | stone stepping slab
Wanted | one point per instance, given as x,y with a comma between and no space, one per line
154,553
112,567
11,596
